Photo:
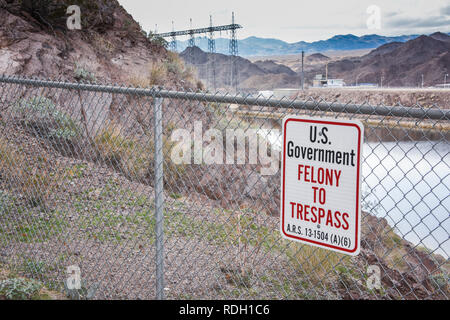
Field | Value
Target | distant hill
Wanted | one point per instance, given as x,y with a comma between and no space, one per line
399,64
271,67
317,57
254,46
203,62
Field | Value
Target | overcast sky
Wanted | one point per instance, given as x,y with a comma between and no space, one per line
297,20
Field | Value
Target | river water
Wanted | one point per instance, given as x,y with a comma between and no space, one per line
408,184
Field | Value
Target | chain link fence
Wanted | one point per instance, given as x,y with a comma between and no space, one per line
135,192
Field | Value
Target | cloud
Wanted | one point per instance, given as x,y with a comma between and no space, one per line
391,14
293,21
410,22
445,10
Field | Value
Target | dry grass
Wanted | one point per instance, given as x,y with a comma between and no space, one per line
316,263
157,74
133,157
160,73
123,153
102,44
33,178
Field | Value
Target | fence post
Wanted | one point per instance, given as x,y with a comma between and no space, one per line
159,198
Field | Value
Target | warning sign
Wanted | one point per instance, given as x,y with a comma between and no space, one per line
320,182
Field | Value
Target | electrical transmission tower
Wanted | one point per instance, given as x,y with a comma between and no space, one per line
233,55
173,43
212,50
211,44
191,37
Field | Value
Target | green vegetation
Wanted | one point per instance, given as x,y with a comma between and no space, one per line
81,73
14,287
20,289
40,115
23,229
159,41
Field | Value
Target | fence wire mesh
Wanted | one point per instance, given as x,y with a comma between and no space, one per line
79,168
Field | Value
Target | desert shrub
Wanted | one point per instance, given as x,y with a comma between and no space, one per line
123,153
139,81
158,74
19,289
133,157
175,65
318,264
440,282
41,114
159,41
81,73
41,118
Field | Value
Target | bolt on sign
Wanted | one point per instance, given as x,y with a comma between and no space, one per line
321,181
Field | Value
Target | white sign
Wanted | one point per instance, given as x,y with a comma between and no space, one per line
321,181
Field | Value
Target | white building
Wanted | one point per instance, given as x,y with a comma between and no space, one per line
335,83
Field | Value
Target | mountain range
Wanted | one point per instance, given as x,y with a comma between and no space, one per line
391,64
254,46
398,64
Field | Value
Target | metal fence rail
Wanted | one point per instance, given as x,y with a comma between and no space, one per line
133,191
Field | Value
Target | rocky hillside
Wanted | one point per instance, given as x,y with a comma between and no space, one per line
35,41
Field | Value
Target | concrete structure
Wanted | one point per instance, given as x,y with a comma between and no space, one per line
320,81
285,93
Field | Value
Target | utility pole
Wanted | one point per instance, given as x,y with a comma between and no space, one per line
357,77
303,73
445,80
422,80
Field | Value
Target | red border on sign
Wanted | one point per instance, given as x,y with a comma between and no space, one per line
357,186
